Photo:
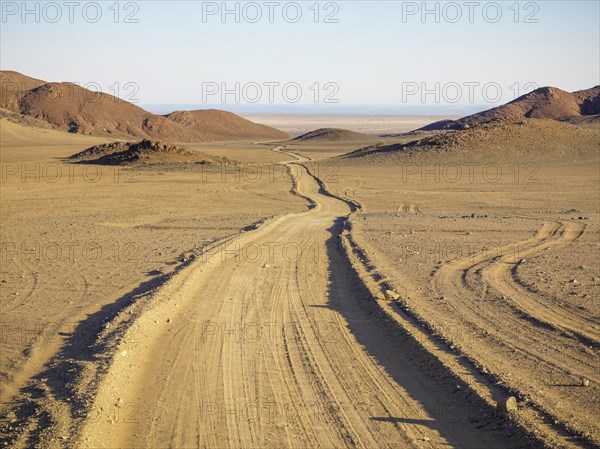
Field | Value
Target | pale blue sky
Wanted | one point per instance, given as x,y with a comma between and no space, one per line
368,54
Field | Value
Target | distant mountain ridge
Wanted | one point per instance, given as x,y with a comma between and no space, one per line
75,109
542,103
546,124
499,139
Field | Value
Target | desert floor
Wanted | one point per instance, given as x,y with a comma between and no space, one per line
294,300
377,124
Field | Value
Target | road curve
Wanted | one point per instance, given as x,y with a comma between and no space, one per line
265,344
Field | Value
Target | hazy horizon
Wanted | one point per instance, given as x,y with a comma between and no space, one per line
338,109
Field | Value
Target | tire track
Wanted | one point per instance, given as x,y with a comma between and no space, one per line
361,392
553,346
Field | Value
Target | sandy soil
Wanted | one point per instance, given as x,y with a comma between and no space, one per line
269,348
506,273
79,241
296,303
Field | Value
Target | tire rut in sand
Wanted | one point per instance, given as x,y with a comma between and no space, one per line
539,348
193,370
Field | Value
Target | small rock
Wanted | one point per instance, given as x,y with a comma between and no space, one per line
168,320
188,255
585,382
392,295
124,352
506,406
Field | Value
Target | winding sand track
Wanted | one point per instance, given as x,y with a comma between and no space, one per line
554,344
501,274
265,344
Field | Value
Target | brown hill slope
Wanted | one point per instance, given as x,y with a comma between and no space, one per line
333,135
542,103
24,120
33,138
24,82
589,100
585,121
13,85
501,139
72,108
143,152
224,124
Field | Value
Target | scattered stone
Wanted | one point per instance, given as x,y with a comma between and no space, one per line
506,406
168,320
124,352
585,382
596,278
188,255
392,295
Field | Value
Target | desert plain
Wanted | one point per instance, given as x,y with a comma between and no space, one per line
436,288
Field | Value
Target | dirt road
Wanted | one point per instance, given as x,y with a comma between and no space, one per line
265,344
